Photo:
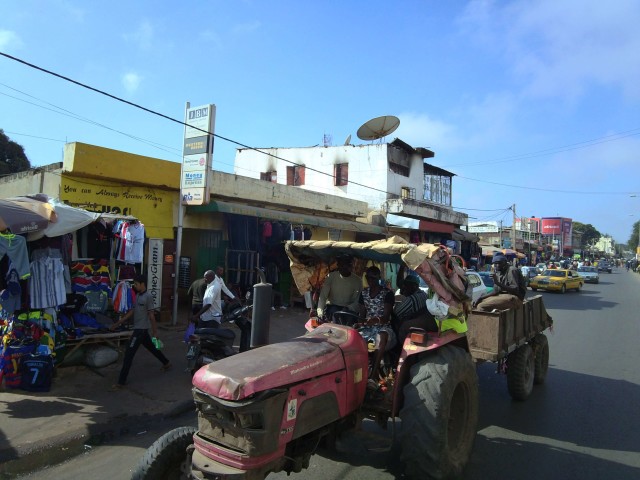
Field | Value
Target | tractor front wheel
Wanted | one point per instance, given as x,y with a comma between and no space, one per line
167,458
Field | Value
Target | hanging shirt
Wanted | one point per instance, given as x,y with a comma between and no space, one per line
46,286
15,247
134,243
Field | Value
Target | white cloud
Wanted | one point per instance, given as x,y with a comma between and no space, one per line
9,40
142,37
477,125
131,81
562,48
211,36
420,130
248,27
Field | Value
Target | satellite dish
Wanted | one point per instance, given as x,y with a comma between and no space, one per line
378,127
348,140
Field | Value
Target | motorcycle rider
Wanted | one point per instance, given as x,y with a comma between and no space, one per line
211,310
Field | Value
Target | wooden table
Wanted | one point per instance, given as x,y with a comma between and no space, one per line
113,339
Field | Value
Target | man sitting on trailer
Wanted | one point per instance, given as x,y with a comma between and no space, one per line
509,287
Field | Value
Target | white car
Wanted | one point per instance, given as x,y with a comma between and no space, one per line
589,274
473,278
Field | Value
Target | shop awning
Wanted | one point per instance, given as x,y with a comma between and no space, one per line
295,218
464,236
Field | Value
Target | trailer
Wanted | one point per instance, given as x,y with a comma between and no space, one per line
513,339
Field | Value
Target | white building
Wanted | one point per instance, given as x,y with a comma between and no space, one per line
606,245
392,178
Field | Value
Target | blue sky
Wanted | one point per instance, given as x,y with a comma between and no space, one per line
533,103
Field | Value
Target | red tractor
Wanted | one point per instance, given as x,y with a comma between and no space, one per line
268,409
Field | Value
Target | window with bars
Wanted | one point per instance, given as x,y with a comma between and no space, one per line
408,193
295,175
341,174
269,176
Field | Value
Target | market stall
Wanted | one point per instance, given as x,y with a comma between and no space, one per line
62,282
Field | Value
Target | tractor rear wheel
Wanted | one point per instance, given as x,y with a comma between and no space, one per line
520,372
167,458
440,414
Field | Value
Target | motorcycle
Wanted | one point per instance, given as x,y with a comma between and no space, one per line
208,344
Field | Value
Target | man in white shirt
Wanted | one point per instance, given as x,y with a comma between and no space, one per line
212,306
223,287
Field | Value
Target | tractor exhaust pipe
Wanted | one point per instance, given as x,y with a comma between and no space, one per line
261,315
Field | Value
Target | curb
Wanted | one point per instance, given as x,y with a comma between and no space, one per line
55,450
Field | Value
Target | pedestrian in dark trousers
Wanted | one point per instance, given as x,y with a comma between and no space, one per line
143,320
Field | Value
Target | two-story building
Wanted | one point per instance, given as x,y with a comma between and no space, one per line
393,178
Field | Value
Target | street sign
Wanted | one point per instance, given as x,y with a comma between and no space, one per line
197,155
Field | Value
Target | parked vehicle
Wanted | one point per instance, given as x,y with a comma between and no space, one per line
487,279
528,273
589,274
266,410
559,280
209,344
474,278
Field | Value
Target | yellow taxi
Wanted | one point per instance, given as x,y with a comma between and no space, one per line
558,280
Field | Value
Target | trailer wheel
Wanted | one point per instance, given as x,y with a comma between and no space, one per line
167,458
541,363
520,372
440,415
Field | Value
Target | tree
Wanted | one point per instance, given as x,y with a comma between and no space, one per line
634,239
590,235
12,156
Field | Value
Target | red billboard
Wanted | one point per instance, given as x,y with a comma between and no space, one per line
560,228
551,226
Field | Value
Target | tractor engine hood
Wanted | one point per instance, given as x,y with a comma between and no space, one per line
319,352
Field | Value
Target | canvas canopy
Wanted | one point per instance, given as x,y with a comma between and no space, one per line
432,262
69,219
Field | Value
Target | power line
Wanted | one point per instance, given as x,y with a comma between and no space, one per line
135,105
577,192
167,117
552,150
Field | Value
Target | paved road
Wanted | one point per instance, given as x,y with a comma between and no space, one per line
583,423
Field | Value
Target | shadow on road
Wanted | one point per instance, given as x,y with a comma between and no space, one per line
553,425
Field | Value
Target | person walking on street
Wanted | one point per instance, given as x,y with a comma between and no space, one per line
197,290
509,287
143,320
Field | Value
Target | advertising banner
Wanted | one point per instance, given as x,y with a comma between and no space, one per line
551,226
197,155
152,206
154,271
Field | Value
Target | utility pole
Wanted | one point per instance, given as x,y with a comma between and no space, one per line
513,227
